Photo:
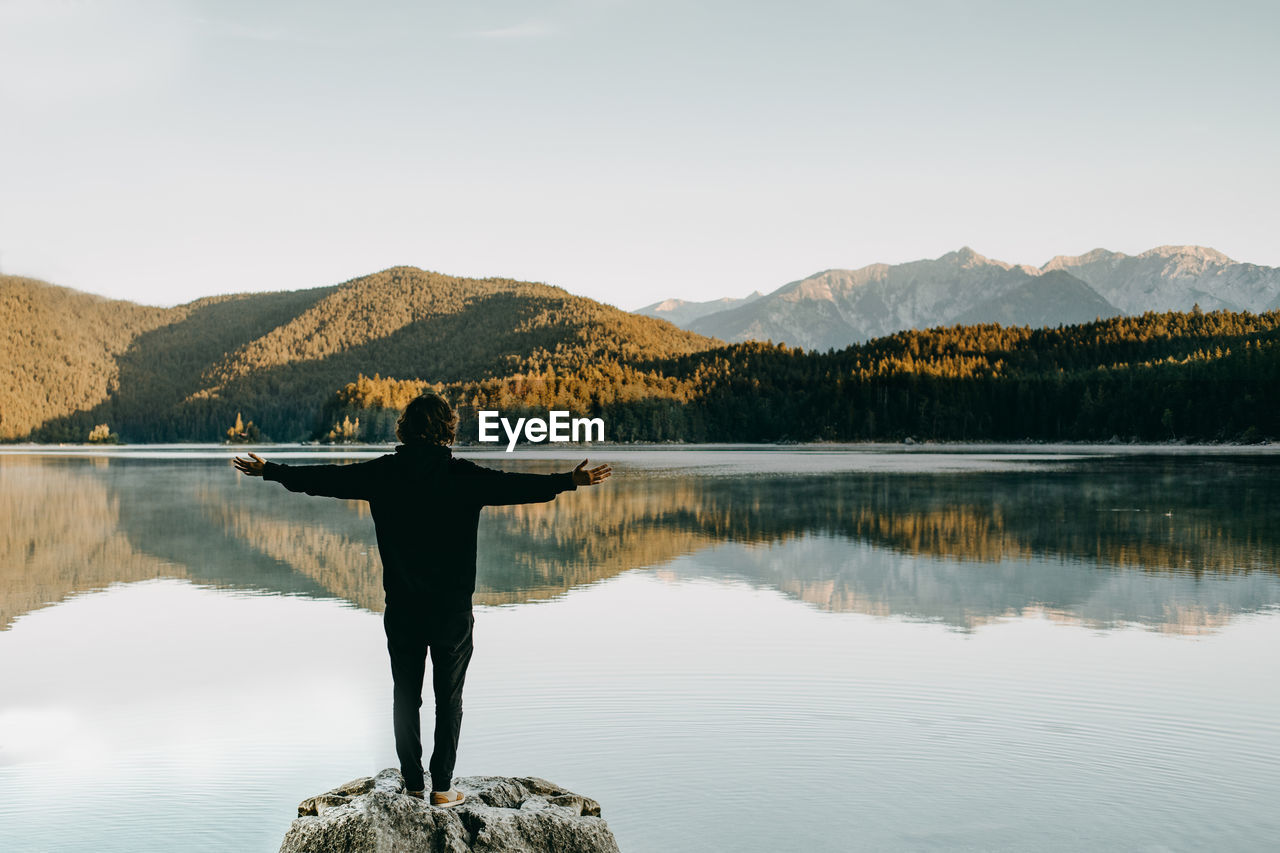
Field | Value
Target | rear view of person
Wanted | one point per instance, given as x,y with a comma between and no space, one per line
426,508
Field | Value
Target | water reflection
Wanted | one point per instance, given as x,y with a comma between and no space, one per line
1180,544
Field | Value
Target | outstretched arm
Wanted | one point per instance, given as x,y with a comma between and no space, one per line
356,482
491,487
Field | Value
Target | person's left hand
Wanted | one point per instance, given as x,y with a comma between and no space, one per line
583,477
253,467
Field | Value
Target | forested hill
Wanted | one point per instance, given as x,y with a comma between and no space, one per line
72,360
60,349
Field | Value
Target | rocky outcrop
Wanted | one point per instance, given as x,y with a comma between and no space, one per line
375,815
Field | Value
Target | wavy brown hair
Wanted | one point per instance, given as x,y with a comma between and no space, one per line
428,419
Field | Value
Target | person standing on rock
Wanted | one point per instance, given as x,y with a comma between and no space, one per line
426,507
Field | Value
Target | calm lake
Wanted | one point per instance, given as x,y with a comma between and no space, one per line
808,649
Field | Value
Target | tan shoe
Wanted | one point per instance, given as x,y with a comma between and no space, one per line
447,799
418,794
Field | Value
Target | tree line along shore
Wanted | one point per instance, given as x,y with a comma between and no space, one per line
1157,377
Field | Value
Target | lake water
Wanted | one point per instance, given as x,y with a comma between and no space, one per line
814,649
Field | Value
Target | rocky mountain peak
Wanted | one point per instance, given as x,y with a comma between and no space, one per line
1060,262
1195,254
967,258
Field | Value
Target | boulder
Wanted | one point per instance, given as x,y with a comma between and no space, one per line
375,815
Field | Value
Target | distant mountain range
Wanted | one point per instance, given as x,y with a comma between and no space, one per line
835,308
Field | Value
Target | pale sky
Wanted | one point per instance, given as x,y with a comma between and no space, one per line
626,151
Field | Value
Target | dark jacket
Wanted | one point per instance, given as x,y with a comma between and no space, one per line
426,508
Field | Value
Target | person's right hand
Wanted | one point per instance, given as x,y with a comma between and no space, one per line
583,477
252,467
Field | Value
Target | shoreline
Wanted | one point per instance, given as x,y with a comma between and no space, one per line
526,451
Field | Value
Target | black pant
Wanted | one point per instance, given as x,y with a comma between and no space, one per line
410,633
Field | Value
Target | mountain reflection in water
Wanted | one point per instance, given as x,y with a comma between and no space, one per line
1180,544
